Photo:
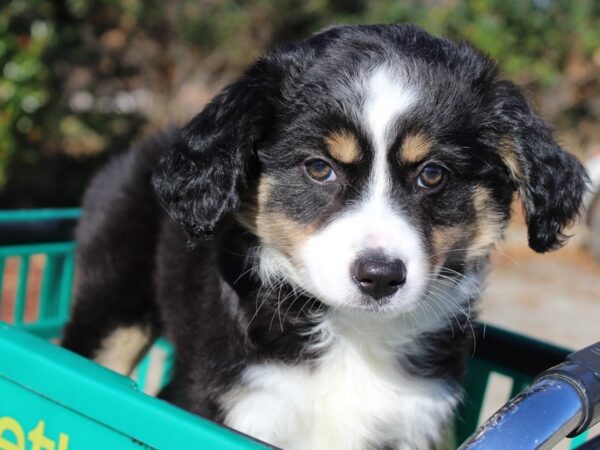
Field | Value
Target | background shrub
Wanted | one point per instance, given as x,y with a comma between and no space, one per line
80,79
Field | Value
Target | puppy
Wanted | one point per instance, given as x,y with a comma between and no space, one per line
329,219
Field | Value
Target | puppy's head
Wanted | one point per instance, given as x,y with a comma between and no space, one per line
370,162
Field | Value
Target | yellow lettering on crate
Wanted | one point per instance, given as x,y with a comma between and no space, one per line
8,424
63,441
38,440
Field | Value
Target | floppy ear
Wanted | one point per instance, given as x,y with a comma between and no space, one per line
200,179
550,181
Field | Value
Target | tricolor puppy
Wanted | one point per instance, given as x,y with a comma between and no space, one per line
329,219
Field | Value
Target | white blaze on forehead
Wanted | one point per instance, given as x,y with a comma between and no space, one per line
388,96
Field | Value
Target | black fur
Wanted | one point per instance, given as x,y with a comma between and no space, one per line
117,236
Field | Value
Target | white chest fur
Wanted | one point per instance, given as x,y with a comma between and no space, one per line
355,397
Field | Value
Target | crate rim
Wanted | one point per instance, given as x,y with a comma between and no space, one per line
10,215
124,408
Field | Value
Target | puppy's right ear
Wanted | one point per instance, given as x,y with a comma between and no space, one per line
199,181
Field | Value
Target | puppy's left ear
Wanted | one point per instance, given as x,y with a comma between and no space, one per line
550,181
199,181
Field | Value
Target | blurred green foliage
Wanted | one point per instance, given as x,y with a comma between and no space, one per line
77,77
23,86
42,44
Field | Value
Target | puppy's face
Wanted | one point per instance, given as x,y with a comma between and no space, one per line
364,205
373,163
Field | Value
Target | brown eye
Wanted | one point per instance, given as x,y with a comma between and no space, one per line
432,175
319,170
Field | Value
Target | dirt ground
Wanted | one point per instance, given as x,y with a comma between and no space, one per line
554,296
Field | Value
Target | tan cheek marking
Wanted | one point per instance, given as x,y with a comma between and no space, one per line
343,147
444,239
489,224
415,148
283,233
508,152
273,227
254,203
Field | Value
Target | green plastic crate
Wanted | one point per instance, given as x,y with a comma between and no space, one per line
53,399
66,402
58,400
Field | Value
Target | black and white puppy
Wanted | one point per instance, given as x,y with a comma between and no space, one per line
329,218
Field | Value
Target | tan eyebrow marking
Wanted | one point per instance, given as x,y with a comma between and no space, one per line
415,148
343,146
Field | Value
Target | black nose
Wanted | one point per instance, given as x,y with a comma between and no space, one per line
378,276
